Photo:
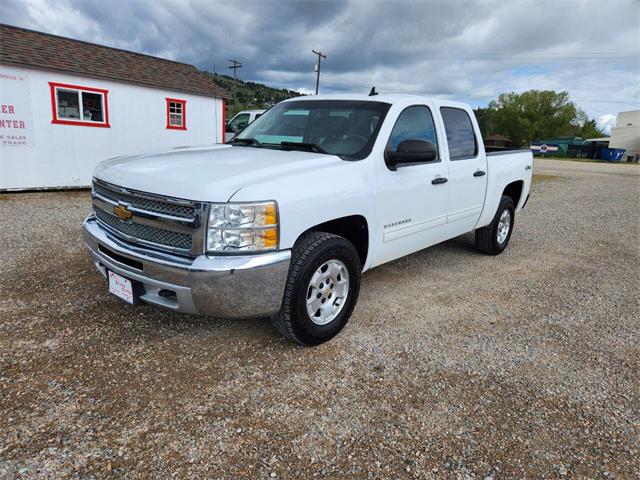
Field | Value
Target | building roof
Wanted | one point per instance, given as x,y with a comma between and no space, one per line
564,140
28,48
497,138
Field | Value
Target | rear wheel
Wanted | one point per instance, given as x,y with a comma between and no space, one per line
493,238
321,291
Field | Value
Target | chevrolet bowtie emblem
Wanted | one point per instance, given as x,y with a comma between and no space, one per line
122,212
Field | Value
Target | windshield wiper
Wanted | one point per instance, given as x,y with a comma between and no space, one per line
312,147
248,141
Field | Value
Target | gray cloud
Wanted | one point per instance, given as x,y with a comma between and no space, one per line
460,49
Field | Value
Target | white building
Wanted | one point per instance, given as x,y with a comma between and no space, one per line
65,105
626,134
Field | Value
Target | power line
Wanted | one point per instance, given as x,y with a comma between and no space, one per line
320,56
576,55
606,101
235,66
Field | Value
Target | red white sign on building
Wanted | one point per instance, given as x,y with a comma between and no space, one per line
16,126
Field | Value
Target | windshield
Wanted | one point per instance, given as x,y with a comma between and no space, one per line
346,128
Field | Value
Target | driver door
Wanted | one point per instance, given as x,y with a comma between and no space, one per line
412,200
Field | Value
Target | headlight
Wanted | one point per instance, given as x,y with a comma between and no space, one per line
243,227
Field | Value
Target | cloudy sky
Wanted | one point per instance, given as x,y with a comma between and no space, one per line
468,50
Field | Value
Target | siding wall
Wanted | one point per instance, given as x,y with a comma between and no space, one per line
58,155
627,134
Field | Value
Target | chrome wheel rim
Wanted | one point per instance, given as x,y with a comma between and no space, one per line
504,225
327,292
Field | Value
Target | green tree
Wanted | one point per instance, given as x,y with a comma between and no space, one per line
536,115
251,95
587,128
484,121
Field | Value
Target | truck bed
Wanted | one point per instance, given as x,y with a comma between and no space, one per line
503,151
505,167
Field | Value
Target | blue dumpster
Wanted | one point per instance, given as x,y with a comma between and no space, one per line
612,154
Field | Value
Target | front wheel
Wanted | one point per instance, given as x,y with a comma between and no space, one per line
493,238
321,291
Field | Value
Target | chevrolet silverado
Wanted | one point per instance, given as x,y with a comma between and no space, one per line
283,221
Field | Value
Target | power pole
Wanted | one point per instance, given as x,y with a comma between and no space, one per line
320,56
236,65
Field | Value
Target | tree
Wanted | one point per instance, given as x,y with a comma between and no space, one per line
587,128
536,115
251,94
484,121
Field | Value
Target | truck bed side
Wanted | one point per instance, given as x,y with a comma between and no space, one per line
506,168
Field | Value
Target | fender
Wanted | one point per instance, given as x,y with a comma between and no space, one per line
303,203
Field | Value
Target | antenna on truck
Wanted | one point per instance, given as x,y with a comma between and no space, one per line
373,92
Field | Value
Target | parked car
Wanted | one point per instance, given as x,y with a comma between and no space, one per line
239,122
284,221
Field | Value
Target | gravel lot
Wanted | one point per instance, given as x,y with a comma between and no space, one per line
454,365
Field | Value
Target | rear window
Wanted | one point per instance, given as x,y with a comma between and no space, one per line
460,135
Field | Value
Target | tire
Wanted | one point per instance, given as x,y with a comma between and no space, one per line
491,239
311,253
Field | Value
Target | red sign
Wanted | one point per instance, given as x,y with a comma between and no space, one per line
16,128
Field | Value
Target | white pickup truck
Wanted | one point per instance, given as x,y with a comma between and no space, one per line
239,122
283,222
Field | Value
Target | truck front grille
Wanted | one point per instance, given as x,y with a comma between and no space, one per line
145,203
170,224
145,232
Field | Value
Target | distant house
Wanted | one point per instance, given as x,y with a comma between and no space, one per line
626,135
498,141
65,105
565,147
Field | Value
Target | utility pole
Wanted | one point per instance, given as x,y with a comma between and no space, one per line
320,56
236,65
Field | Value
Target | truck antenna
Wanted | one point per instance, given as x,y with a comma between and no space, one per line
373,92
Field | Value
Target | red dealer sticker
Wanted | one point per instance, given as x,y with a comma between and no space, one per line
121,287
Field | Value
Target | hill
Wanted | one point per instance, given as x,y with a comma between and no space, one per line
252,95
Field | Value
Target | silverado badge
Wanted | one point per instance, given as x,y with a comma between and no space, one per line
122,212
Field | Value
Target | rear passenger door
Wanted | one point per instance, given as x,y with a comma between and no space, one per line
467,170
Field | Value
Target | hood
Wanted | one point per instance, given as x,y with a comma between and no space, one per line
208,174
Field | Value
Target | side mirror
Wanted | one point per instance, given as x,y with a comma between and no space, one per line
411,151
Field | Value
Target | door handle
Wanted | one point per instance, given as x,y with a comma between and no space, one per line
479,173
439,181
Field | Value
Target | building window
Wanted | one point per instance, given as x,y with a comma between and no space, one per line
76,105
176,114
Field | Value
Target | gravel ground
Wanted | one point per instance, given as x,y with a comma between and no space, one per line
454,365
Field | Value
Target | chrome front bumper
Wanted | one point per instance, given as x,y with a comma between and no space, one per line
221,286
